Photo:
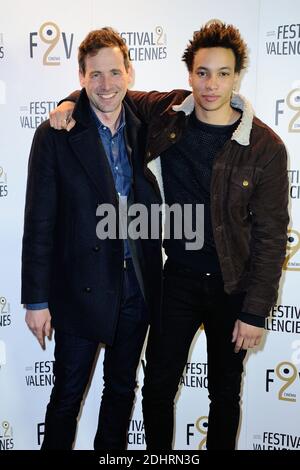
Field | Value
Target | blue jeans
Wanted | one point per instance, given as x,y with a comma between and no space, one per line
191,299
74,359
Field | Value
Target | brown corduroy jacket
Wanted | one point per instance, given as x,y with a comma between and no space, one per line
249,192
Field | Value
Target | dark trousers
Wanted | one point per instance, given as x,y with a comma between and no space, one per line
189,300
74,358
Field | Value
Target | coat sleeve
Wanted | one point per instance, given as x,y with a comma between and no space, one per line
74,96
40,218
150,105
269,208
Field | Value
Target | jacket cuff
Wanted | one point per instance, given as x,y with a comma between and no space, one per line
37,306
252,319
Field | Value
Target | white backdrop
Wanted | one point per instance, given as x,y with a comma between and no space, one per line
38,66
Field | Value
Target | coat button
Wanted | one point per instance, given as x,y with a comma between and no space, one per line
96,248
87,290
172,135
219,228
149,154
245,183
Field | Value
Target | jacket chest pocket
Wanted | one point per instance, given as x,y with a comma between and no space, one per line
241,185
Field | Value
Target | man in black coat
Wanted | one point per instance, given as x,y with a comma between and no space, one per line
90,289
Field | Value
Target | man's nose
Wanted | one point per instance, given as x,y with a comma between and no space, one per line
212,82
105,82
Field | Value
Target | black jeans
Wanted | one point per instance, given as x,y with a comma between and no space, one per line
74,358
189,300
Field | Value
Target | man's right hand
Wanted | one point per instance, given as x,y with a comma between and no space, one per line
39,322
61,117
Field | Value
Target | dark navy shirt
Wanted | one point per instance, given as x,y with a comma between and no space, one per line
115,149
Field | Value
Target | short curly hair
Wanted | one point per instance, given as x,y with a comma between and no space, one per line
96,40
217,34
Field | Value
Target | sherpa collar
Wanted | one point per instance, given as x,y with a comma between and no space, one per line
242,132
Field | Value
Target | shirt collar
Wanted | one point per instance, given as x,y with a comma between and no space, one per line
103,127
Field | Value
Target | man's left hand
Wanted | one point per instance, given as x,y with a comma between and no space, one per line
246,336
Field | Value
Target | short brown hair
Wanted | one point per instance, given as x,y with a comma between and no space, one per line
96,40
217,34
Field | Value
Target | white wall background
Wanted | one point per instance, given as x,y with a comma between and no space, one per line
271,390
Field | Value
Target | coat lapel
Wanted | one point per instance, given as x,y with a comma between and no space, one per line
87,146
133,125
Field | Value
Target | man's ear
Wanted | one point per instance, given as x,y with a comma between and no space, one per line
190,78
131,75
81,78
236,80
